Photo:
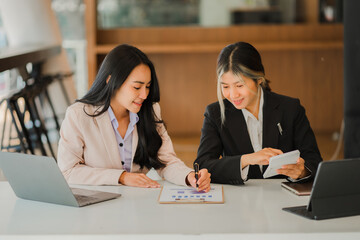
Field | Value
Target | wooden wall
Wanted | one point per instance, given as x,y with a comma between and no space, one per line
313,76
301,60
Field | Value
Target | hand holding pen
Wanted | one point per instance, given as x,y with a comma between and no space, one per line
201,180
196,168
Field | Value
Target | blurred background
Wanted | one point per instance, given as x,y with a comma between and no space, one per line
301,43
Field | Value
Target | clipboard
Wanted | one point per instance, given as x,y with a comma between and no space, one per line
187,195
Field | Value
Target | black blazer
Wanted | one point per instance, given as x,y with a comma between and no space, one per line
221,147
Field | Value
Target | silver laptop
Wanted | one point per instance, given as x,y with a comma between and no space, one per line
39,178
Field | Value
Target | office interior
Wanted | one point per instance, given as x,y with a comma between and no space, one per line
309,51
301,43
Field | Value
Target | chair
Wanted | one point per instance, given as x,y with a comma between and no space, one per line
23,145
24,108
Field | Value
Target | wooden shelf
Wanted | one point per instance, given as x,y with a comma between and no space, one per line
302,60
216,47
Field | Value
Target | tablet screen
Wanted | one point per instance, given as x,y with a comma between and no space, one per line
279,160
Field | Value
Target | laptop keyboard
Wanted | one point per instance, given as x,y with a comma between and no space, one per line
300,210
85,200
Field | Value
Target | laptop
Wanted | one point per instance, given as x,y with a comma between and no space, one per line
39,178
335,192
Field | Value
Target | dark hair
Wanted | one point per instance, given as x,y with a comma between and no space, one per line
242,58
119,63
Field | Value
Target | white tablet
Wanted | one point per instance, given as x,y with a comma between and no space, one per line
279,160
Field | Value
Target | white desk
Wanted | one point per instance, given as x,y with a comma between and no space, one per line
252,211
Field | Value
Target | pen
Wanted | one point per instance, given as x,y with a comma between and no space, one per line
280,128
196,167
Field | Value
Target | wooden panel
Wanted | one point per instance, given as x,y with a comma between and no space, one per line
301,60
200,35
188,85
315,77
216,47
90,19
311,9
186,89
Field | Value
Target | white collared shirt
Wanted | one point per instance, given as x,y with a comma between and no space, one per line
255,129
124,144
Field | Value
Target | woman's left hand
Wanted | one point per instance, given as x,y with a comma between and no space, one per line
295,171
203,182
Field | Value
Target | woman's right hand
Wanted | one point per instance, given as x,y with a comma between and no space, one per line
261,157
137,180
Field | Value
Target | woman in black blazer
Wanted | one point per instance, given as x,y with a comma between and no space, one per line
249,124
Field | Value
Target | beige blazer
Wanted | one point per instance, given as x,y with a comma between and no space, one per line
88,152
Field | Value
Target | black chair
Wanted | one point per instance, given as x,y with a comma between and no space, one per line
27,121
42,84
24,108
27,117
22,143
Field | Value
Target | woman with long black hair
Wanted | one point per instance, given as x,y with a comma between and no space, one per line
115,134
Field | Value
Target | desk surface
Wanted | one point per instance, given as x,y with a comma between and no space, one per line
250,210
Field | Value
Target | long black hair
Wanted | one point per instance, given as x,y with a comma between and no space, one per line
119,63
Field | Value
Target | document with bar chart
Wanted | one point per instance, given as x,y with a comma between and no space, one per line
179,194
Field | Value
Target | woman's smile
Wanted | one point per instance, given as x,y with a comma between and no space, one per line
139,104
237,102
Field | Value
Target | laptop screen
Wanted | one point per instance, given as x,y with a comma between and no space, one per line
336,184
